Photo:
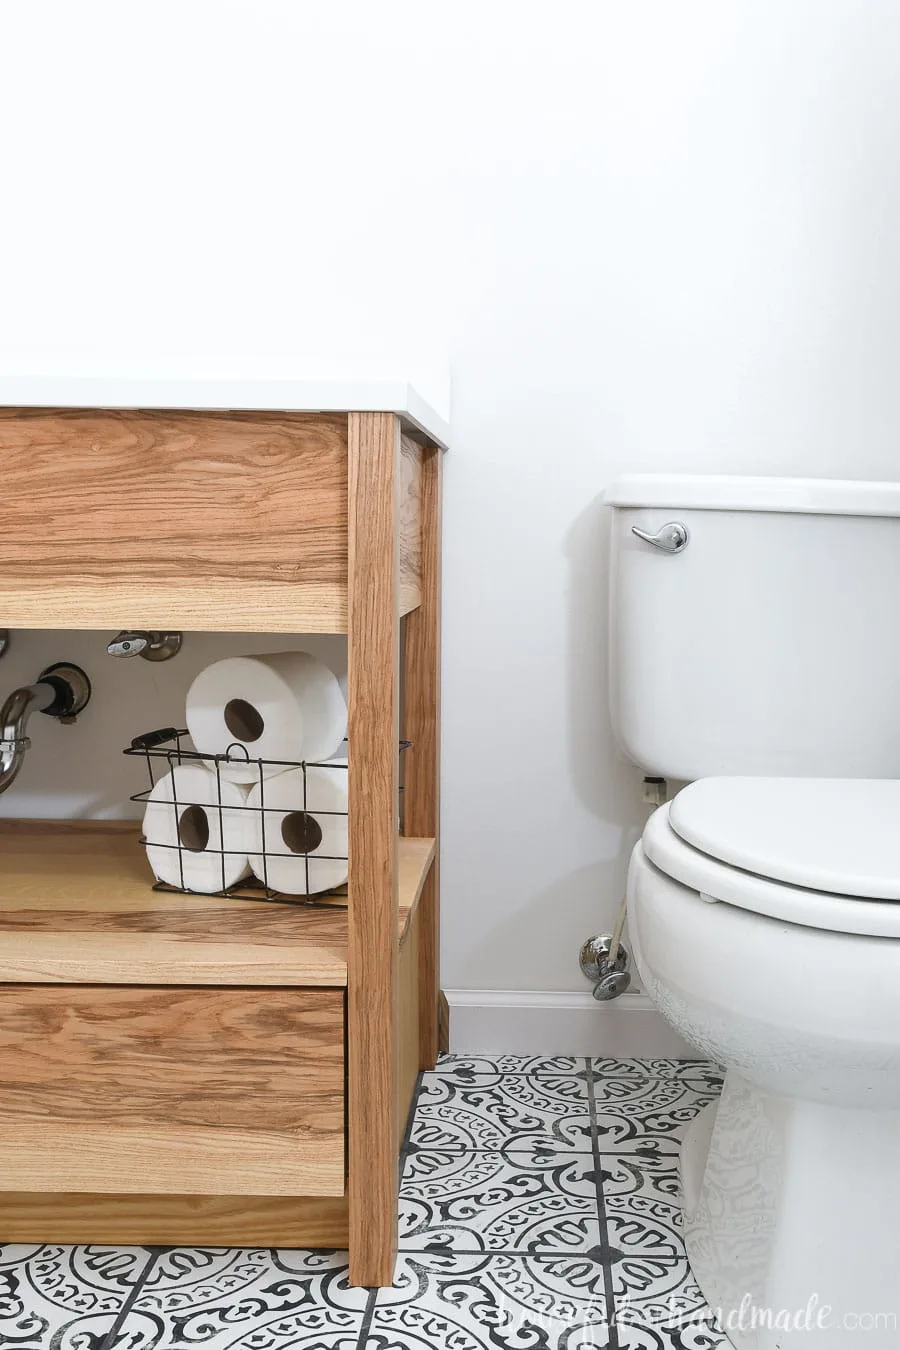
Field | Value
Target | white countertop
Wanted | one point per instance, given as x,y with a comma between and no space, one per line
326,395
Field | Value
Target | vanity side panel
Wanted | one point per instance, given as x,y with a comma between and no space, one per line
410,508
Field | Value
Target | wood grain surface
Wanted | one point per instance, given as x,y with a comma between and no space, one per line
216,605
175,1220
77,905
237,1091
422,726
409,1052
228,520
374,726
415,858
410,507
215,521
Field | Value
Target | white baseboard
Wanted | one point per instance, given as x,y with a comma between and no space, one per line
535,1022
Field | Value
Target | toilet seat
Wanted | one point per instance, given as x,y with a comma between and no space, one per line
823,853
839,835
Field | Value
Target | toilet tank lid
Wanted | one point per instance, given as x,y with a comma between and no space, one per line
721,492
838,835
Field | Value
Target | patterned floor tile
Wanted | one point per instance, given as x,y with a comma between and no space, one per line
646,1115
502,1113
508,1202
699,1073
667,1327
492,1303
64,1297
246,1299
465,1066
658,1304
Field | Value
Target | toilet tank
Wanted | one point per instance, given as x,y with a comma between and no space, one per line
770,644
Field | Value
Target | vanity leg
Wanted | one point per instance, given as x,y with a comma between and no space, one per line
374,733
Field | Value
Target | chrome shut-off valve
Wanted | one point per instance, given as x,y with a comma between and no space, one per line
607,969
152,646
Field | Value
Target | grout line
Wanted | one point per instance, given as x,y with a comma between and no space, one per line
367,1320
519,1253
109,1339
458,1150
601,1215
560,1154
594,1077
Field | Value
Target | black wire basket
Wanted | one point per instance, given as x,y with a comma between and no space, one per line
165,750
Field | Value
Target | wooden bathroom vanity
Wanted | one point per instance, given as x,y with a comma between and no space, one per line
189,1069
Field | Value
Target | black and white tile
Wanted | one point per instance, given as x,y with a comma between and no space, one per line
246,1299
464,1067
503,1112
646,1115
67,1298
698,1073
501,1302
539,1210
503,1202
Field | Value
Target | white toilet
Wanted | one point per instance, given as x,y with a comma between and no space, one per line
755,654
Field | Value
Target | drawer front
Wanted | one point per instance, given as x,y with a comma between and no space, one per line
152,517
172,1091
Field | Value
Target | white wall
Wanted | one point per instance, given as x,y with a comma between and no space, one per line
648,235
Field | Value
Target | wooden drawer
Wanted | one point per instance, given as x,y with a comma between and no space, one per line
230,521
151,518
172,1091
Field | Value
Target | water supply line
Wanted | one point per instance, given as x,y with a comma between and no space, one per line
615,941
604,959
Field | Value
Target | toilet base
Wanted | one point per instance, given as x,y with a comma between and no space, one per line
790,1216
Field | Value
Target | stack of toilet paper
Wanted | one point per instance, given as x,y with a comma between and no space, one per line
210,824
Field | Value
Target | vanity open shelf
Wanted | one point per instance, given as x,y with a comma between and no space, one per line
195,1069
77,904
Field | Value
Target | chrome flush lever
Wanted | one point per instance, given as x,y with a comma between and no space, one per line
671,538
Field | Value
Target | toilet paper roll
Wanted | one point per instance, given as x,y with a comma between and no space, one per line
287,706
183,808
305,841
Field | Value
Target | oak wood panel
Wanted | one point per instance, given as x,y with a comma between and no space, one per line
227,520
77,905
422,726
410,506
408,1015
172,1090
175,1220
214,605
415,857
372,957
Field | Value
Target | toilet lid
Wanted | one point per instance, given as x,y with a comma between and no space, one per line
839,835
717,880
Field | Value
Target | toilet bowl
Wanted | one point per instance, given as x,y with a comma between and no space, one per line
792,1183
754,655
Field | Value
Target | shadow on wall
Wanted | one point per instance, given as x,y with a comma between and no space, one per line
545,931
606,782
609,786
